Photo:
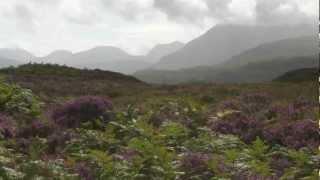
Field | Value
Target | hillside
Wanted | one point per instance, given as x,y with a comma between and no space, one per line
285,49
300,75
54,80
5,62
16,54
249,73
162,50
223,42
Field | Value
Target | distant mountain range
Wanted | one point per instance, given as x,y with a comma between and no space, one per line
226,53
102,57
223,42
4,62
16,54
262,63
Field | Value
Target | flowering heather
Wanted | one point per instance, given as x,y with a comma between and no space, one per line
84,109
248,103
239,124
303,133
57,141
84,171
195,163
280,163
37,128
299,109
7,129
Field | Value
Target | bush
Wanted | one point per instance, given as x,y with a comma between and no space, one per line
7,129
83,110
15,100
57,141
239,124
248,103
196,166
298,134
36,128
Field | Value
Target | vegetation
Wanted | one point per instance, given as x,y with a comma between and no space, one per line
196,131
299,75
246,72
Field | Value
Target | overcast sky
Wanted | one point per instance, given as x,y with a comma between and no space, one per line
41,26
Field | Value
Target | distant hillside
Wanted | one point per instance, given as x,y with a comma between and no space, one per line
282,50
286,48
59,57
223,42
249,73
300,75
48,80
5,62
16,54
162,50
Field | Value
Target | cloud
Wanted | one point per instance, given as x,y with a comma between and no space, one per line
284,11
128,9
24,18
183,10
42,26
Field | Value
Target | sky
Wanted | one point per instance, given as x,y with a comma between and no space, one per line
42,26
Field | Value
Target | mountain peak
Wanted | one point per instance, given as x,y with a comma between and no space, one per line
17,54
161,50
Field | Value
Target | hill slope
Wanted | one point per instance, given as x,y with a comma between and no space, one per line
16,54
250,73
162,50
4,62
283,50
287,48
300,75
54,80
223,42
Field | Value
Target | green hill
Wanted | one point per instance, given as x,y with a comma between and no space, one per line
300,75
55,80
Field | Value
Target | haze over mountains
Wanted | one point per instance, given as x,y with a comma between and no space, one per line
102,57
225,41
223,53
262,63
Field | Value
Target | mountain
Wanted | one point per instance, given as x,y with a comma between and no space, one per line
262,63
110,58
162,50
251,73
101,57
300,75
223,42
58,57
4,62
287,48
107,58
16,54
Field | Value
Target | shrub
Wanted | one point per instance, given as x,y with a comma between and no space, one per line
297,134
239,124
195,165
248,103
82,110
84,171
7,129
36,128
57,141
15,100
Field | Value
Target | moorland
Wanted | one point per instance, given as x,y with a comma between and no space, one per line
58,122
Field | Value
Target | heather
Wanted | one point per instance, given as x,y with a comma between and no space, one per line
195,131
